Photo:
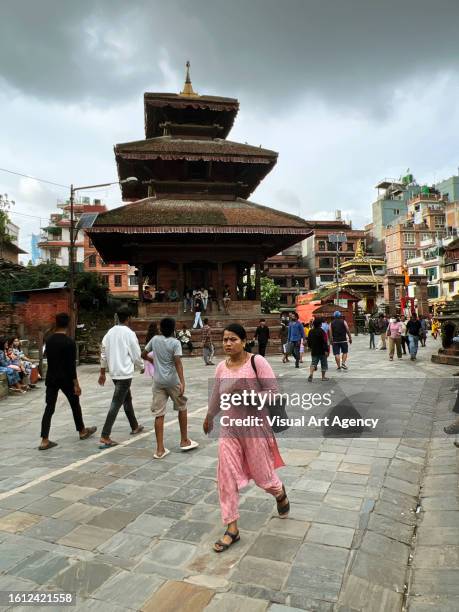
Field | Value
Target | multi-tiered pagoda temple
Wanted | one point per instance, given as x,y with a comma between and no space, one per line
188,222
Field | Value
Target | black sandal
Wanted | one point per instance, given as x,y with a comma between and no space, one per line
285,508
224,546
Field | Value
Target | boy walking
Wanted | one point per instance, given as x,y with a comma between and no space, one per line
120,353
62,376
317,342
339,334
295,335
207,346
168,382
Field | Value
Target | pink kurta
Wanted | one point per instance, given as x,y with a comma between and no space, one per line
243,457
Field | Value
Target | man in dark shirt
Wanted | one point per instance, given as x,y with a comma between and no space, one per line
262,337
62,375
317,342
413,327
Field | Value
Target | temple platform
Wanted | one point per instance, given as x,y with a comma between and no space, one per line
246,313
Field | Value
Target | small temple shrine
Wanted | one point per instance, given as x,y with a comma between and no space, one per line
187,221
363,275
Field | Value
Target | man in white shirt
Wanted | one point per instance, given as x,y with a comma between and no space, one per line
120,352
168,383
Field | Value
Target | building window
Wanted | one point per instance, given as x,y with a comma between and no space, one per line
92,261
101,262
105,279
415,271
432,291
450,268
410,254
425,236
350,246
451,286
439,222
432,273
90,243
408,238
118,280
133,282
325,262
322,245
326,278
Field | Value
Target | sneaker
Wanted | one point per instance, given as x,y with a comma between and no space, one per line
344,366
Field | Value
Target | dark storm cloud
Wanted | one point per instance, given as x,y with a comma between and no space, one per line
272,51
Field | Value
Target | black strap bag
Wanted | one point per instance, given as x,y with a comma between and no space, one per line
277,410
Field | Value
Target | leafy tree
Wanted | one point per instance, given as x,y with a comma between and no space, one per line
89,288
270,295
5,237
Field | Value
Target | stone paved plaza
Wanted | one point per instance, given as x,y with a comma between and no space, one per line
126,532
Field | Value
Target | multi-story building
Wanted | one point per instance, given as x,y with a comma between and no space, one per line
391,203
319,253
407,239
9,249
289,273
450,269
120,278
55,243
35,253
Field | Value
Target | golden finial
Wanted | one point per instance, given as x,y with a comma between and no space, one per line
188,87
359,251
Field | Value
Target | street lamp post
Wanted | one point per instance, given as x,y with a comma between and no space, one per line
337,239
73,190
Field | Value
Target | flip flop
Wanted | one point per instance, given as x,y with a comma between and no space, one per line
49,445
139,429
89,432
105,445
190,446
166,452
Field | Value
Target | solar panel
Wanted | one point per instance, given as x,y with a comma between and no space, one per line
86,220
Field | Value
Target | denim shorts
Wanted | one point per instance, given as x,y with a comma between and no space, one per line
323,362
340,347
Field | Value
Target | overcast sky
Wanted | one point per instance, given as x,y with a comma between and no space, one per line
347,91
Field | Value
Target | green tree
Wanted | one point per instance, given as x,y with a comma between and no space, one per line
270,295
5,237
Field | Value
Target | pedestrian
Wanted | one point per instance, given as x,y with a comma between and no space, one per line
295,334
366,325
424,328
382,327
262,337
284,338
318,344
413,328
62,376
404,337
226,299
243,456
149,367
187,300
198,308
339,334
207,346
184,336
204,297
120,353
435,328
168,382
394,337
372,331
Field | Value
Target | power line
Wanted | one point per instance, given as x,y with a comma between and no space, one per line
34,178
13,212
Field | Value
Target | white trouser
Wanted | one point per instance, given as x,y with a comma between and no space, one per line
197,319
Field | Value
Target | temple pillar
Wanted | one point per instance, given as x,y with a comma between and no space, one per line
257,282
219,281
389,294
181,280
140,282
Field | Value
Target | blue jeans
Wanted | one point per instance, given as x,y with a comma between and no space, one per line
413,342
372,339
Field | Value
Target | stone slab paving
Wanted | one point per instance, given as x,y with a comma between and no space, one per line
126,532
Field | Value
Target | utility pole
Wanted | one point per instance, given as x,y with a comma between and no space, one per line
72,263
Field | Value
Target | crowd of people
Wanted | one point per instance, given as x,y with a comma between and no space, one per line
401,334
197,300
21,371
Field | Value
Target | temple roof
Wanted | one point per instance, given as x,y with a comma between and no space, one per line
199,216
166,147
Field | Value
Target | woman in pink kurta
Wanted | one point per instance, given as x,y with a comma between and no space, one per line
245,452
